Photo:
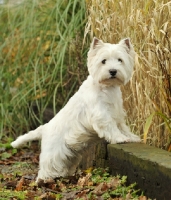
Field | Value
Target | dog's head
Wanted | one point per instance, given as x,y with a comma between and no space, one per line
111,64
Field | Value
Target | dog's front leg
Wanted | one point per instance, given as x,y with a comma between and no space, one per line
126,131
111,133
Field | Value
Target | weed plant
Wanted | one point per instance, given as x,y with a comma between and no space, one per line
42,60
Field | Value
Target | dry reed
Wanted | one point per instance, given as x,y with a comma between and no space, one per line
148,24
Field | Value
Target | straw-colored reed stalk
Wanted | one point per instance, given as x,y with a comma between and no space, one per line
148,24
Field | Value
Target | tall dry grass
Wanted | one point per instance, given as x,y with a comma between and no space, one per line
148,24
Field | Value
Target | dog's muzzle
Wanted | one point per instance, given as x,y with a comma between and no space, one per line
113,73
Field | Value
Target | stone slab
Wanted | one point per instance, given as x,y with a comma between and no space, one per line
148,166
95,156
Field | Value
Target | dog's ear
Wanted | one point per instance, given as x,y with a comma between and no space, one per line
96,43
127,44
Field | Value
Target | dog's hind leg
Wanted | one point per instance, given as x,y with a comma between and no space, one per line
31,135
53,165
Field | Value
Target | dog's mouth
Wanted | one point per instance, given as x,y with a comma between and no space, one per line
112,77
113,80
117,77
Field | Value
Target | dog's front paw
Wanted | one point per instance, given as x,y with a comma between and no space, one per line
135,138
132,137
120,139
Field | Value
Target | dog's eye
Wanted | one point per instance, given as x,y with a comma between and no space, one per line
119,60
104,61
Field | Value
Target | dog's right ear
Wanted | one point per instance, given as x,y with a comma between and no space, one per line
126,43
96,42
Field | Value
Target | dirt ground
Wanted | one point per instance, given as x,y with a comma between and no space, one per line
18,171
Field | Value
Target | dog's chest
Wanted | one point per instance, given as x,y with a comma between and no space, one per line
101,101
111,102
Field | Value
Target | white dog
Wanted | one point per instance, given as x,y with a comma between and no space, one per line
94,112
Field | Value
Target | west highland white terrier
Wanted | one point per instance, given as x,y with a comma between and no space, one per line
94,112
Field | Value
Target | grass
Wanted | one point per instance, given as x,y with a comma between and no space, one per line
148,24
43,60
40,57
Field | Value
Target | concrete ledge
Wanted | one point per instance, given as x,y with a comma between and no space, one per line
95,156
148,166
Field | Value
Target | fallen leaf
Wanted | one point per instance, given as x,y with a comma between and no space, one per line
142,198
114,182
61,186
43,196
90,183
10,184
100,189
82,181
48,183
128,196
83,194
31,194
29,177
70,195
20,184
89,170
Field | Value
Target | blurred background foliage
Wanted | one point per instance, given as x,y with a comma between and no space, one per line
41,62
43,47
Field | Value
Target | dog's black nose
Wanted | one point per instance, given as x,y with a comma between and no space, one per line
112,72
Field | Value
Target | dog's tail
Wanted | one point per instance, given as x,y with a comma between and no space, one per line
31,135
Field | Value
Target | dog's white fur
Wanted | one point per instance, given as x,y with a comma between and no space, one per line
94,112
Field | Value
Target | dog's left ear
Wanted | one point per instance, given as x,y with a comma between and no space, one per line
96,43
127,44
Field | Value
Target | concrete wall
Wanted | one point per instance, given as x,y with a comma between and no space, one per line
148,166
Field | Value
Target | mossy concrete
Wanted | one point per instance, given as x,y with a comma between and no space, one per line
148,166
95,156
